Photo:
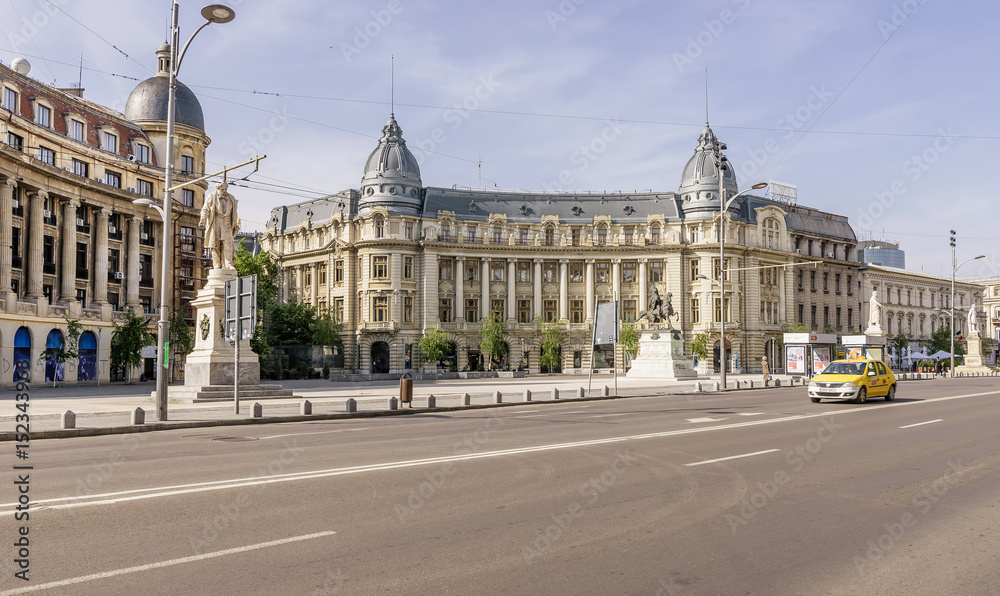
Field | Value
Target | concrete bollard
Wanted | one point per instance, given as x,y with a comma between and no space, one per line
306,409
527,395
138,416
393,403
697,385
497,397
751,383
466,399
581,392
555,393
352,405
737,383
715,386
431,401
606,391
777,382
68,419
258,410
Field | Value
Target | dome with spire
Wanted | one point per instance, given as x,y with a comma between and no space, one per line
699,189
392,176
149,99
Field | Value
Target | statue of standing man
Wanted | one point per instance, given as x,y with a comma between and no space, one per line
218,217
973,321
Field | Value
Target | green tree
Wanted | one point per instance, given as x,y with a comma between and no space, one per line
127,340
266,271
794,328
289,323
434,346
181,338
552,340
629,340
699,346
68,349
326,331
494,335
941,340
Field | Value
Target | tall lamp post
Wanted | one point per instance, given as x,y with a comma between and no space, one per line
954,270
213,13
721,165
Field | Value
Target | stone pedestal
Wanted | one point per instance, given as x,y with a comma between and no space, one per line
211,361
974,357
661,357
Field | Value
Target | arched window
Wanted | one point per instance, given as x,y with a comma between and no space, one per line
53,366
602,235
497,234
379,223
770,233
22,355
87,368
654,234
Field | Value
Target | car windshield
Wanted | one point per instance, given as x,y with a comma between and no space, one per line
845,368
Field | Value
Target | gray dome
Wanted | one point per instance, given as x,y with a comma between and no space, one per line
391,158
699,189
148,101
392,176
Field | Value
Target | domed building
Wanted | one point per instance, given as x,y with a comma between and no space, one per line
72,243
396,259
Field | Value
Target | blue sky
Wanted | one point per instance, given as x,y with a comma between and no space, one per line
884,111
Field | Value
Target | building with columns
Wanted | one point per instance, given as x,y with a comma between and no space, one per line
395,259
72,243
913,302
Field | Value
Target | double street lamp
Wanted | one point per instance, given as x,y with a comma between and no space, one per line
213,13
721,166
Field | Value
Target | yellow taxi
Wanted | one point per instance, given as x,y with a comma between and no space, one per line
853,379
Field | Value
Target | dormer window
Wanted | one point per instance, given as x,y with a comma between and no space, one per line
76,130
550,235
43,116
654,234
109,142
141,153
379,224
10,99
602,236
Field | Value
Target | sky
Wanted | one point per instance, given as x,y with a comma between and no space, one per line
880,110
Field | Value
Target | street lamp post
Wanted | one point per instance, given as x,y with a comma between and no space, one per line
213,13
721,165
954,271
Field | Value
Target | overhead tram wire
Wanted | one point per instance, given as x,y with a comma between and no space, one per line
98,35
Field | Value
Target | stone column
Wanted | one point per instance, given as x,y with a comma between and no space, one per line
36,231
590,291
132,272
616,279
67,290
536,284
563,289
641,302
315,284
6,236
301,273
460,289
484,278
511,295
101,258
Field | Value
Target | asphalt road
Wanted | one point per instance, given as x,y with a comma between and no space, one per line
755,492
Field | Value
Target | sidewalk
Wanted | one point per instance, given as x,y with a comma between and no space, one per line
107,409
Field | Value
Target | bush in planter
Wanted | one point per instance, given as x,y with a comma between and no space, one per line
326,371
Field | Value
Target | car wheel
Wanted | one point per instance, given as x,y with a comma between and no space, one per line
892,393
815,400
862,396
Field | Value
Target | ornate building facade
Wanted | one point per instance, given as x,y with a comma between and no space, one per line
395,259
72,243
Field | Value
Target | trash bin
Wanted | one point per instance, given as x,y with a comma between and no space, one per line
406,391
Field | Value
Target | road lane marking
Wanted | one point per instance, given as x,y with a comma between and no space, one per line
609,415
700,420
712,461
922,423
161,564
167,491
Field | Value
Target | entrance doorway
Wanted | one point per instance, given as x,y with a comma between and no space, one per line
729,358
380,358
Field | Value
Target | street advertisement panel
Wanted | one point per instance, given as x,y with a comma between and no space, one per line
795,360
821,359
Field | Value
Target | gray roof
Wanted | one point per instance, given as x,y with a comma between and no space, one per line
569,207
148,101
